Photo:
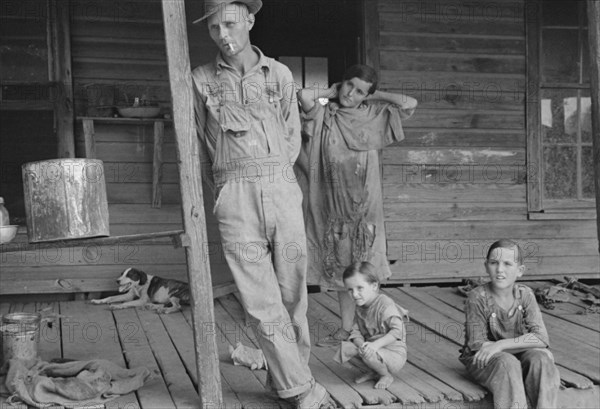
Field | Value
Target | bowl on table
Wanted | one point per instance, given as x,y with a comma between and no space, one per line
7,233
139,112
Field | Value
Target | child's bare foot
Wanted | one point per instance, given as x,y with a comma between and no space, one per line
366,377
384,382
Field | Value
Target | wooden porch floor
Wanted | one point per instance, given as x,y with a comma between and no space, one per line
434,378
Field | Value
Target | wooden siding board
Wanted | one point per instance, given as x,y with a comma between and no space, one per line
477,230
447,212
117,71
450,43
399,155
118,254
453,193
476,250
138,172
132,152
453,173
460,62
454,268
114,48
455,118
389,22
491,84
451,96
98,28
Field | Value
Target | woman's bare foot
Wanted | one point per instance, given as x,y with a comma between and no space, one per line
366,377
384,382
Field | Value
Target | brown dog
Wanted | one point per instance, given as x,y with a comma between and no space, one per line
145,290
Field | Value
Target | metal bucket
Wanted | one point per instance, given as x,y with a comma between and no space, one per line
65,199
20,335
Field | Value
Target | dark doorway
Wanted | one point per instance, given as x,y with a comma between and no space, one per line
317,39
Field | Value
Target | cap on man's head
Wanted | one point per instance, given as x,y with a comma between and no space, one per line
212,6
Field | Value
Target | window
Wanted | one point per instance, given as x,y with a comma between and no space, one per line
559,104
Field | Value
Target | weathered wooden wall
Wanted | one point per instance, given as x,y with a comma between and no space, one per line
119,47
458,181
455,184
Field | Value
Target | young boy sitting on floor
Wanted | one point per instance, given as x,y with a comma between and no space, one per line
506,343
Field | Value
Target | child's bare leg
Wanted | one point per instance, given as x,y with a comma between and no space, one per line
347,309
381,371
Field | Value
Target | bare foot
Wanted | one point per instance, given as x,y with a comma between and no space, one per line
384,382
386,400
366,377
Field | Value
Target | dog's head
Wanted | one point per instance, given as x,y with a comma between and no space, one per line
131,277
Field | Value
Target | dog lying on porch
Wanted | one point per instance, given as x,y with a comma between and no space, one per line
139,289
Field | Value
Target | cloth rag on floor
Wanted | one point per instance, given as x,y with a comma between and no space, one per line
76,383
250,357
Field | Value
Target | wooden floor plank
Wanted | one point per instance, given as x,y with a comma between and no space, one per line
154,394
248,388
89,332
50,345
570,362
230,398
431,388
172,366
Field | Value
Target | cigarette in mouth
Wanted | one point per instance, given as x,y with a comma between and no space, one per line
229,46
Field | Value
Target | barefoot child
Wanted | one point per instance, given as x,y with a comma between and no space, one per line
378,335
506,343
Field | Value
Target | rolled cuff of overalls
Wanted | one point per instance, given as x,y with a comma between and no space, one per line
295,391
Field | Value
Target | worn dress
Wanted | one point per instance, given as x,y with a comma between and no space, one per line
525,379
340,177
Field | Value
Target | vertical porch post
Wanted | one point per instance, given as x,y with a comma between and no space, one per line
194,219
593,11
59,67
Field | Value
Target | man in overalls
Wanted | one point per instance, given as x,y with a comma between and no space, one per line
249,128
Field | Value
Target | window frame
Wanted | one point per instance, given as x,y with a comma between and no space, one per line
537,206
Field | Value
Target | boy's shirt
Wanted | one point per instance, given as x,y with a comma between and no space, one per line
486,321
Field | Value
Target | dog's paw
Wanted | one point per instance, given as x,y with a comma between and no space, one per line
95,302
115,307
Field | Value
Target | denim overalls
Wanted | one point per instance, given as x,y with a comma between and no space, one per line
519,380
259,211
